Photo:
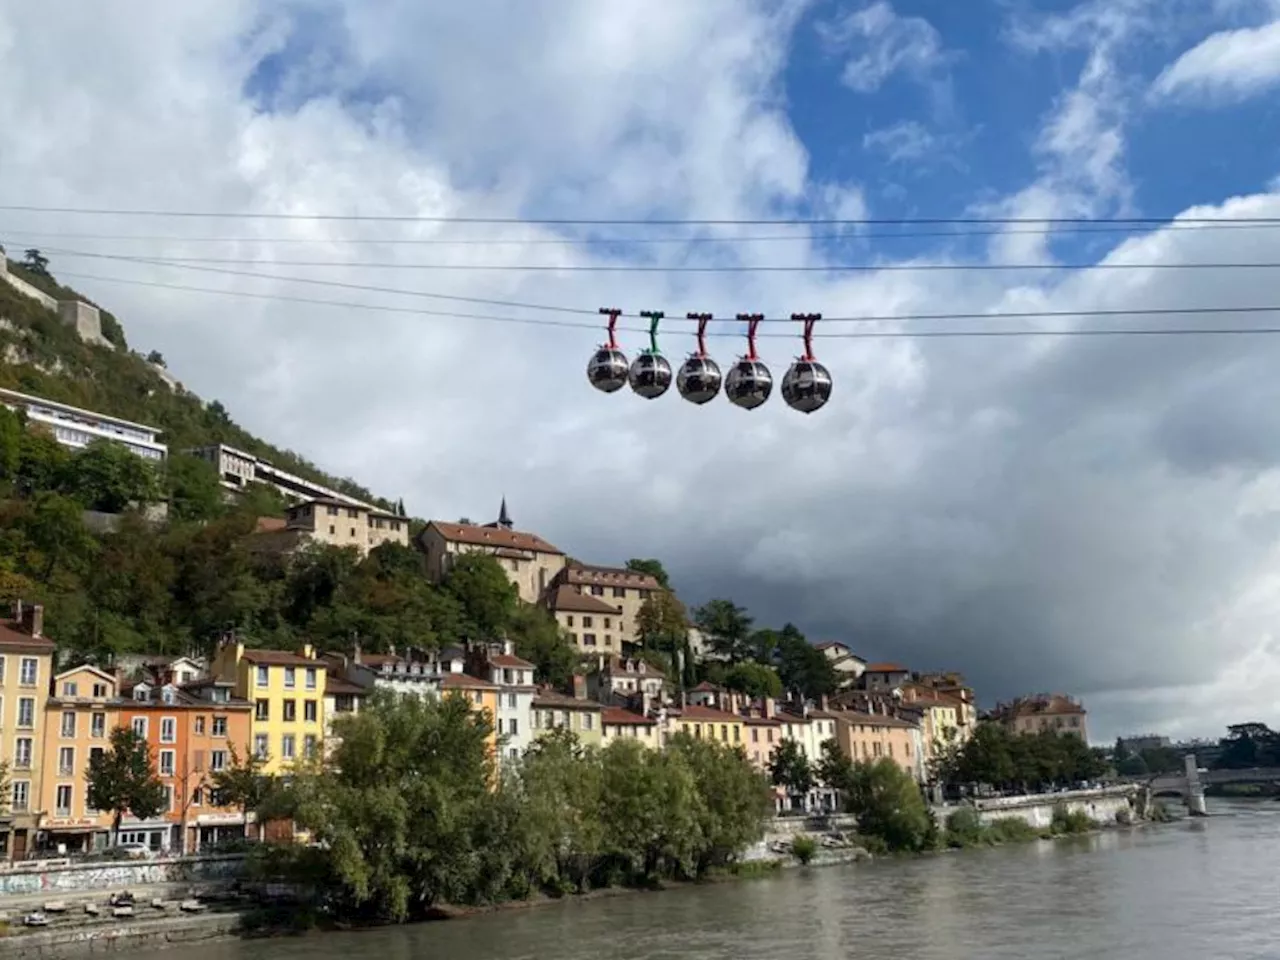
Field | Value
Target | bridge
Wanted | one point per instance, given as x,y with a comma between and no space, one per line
1189,785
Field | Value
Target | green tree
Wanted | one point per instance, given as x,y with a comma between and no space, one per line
122,780
193,488
754,679
36,262
888,804
802,667
835,769
539,640
735,799
561,786
789,768
42,463
652,799
478,582
727,628
55,527
653,568
11,430
109,477
242,784
156,357
662,622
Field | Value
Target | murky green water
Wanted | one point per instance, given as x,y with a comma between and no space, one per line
1196,890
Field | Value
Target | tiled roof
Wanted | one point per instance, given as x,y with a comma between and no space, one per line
492,537
14,637
270,524
620,717
552,698
460,680
708,713
706,686
1046,705
618,665
340,686
886,668
507,660
610,576
762,721
875,719
569,600
279,658
375,660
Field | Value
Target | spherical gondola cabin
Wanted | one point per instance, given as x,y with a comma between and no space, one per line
650,375
607,370
806,386
748,384
699,379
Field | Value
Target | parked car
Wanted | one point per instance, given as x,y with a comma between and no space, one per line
135,851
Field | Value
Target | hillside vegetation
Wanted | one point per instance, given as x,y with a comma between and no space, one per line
44,356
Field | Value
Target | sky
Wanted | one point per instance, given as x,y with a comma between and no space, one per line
1097,516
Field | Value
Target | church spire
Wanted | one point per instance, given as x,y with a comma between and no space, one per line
504,518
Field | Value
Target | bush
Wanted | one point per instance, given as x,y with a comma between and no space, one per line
804,847
1070,821
1011,830
964,828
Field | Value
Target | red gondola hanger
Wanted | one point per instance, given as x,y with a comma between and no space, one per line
613,313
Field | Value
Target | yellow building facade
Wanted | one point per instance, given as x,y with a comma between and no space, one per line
577,714
287,691
26,668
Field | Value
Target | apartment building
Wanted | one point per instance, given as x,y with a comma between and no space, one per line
238,469
627,681
1055,712
618,724
573,712
591,624
81,712
847,664
26,668
77,428
529,562
338,524
513,677
623,590
287,691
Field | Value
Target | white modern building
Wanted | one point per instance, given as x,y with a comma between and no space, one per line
513,677
237,469
76,428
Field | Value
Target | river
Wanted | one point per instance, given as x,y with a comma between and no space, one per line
1195,889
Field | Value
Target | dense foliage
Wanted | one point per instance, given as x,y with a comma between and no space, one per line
885,798
122,779
762,662
1249,745
409,813
44,356
995,757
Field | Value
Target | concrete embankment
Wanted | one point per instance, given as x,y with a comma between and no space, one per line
119,935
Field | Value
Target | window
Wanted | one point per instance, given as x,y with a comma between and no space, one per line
309,745
331,530
755,735
352,513
513,727
737,734
100,691
95,752
30,670
262,710
196,797
290,678
311,678
168,799
166,763
589,639
260,746
619,591
199,726
68,723
21,795
63,800
309,711
331,511
353,531
22,753
608,640
597,591
608,623
219,726
167,695
1,669
890,746
27,713
724,732
140,726
290,710
568,620
511,700
286,746
199,761
140,693
217,760
587,621
168,730
68,688
588,721
98,725
262,676
66,761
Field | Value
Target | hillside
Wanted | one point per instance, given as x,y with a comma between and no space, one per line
40,354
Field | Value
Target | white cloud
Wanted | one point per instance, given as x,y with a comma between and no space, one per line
879,43
1039,513
1229,65
907,140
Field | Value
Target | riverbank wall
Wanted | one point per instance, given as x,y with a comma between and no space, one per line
140,935
49,878
1105,806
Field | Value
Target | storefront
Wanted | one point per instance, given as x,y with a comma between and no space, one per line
67,835
155,835
211,829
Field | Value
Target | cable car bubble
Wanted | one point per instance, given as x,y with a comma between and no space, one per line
699,378
607,368
807,384
749,382
650,374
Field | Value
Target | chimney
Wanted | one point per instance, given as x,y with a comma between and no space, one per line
34,619
308,651
822,702
17,611
579,687
770,708
644,703
357,654
391,649
509,647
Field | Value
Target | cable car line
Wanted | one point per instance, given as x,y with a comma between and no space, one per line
590,221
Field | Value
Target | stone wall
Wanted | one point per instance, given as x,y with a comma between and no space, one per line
25,288
1100,806
116,875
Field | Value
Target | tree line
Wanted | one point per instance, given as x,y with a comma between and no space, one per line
409,812
1011,762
